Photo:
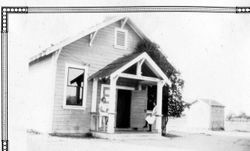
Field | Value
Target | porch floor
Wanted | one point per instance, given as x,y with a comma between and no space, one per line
122,134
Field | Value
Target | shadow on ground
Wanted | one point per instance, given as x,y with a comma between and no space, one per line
171,135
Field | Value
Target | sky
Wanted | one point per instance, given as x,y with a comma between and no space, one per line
211,51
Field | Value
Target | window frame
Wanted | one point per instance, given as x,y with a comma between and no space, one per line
126,38
84,93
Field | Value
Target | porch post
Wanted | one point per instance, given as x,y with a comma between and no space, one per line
94,118
111,116
94,95
159,106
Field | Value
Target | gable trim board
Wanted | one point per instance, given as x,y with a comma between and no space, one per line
91,30
104,73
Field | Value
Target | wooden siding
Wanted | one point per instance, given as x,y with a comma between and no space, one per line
217,118
41,90
101,53
138,106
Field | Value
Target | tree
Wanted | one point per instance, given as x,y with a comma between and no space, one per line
173,105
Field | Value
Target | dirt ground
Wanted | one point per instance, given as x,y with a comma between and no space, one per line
175,141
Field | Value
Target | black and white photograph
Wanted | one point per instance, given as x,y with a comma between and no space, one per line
120,75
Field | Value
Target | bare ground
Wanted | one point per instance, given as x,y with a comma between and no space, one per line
181,141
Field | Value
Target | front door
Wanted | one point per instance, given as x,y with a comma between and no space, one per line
123,109
138,106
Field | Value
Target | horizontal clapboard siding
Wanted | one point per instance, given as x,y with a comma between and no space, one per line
138,105
217,117
101,53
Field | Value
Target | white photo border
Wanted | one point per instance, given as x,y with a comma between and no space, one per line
6,10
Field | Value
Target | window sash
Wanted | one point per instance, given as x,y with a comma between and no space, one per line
79,97
83,87
76,69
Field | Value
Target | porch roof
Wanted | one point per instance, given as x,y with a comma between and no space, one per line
113,66
123,63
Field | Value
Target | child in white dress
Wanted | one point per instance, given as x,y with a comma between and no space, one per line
150,118
103,112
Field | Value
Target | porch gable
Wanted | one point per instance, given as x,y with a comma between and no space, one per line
117,68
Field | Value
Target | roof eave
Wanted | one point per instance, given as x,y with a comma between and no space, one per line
85,33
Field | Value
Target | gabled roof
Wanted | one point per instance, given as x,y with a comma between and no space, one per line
123,63
212,102
113,66
209,102
89,31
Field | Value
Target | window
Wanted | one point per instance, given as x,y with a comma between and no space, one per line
76,85
105,91
120,38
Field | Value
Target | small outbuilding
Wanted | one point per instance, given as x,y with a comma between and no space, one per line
206,114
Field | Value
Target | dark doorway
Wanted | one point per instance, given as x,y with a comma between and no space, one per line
123,109
151,97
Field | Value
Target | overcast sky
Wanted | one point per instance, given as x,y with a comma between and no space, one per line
211,51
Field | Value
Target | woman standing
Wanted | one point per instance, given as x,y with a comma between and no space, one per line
103,112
